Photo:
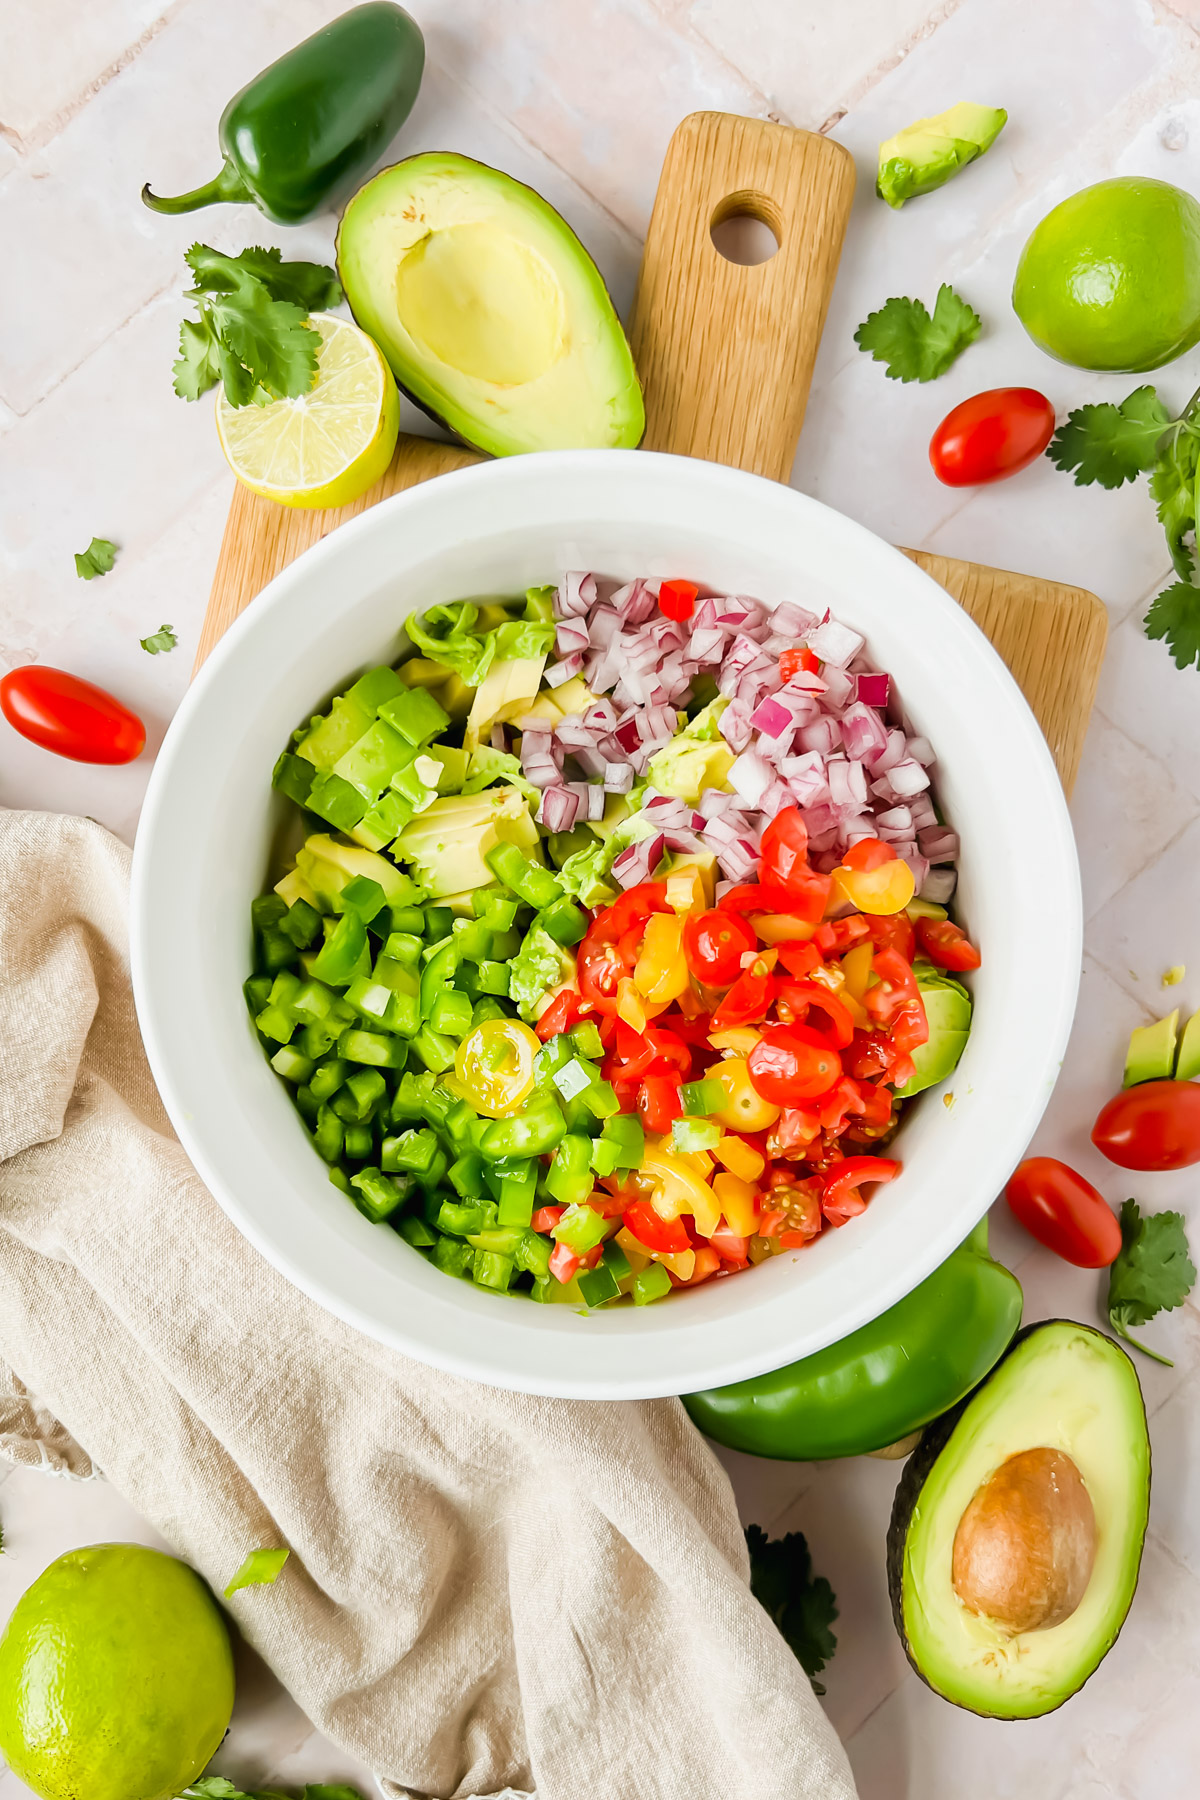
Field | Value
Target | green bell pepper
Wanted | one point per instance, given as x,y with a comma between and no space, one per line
884,1381
306,130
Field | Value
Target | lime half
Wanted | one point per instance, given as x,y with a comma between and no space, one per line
328,446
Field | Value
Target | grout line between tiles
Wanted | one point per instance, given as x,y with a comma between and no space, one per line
45,132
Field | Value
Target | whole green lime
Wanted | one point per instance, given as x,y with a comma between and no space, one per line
1111,278
116,1677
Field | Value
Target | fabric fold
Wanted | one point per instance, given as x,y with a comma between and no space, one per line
489,1594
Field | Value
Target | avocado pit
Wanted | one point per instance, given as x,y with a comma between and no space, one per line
1026,1544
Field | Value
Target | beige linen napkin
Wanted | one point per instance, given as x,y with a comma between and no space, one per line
487,1593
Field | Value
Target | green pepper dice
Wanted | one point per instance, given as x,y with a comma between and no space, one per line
308,128
885,1380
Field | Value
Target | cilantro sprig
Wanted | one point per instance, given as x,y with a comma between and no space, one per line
159,641
1111,445
97,559
219,1787
914,344
252,331
1153,1272
802,1604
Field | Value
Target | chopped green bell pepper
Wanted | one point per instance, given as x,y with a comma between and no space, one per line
528,880
376,1194
650,1283
338,958
535,1131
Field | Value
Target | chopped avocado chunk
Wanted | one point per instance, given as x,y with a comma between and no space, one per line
583,874
1151,1052
1187,1063
337,731
326,866
446,843
1018,1525
686,766
926,155
490,311
948,1010
370,765
705,725
539,965
574,696
416,715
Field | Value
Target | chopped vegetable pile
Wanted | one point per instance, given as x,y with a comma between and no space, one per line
609,977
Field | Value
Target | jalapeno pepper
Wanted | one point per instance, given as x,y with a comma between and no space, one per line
883,1381
308,128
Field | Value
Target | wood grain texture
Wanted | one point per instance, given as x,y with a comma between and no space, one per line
262,537
726,352
726,356
1051,636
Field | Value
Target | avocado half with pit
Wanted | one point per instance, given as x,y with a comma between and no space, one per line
1017,1529
491,313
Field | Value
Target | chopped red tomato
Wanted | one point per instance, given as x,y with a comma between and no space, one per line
867,854
547,1217
714,944
747,1000
784,863
667,1236
945,944
656,1051
796,999
560,1015
677,599
564,1264
799,959
838,935
729,1246
840,1196
893,931
792,1063
791,662
659,1103
755,897
835,1107
895,989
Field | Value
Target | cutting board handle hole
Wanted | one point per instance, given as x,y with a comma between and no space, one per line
746,228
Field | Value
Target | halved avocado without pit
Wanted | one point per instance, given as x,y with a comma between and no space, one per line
491,313
1017,1530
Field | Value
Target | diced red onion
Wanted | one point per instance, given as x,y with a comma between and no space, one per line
749,777
559,809
639,861
835,643
577,593
921,750
920,870
571,637
566,670
839,687
823,735
618,777
792,621
907,777
890,755
938,845
863,731
873,689
939,885
590,760
922,812
772,717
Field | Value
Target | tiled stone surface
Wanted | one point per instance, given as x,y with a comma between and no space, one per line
579,100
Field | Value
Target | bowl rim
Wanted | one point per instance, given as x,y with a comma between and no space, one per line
587,1378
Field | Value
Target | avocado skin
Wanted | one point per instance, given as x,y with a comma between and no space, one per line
908,1494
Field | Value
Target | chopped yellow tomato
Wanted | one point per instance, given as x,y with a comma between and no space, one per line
741,1038
781,928
637,1253
629,1005
887,889
739,1203
746,1109
494,1067
674,1185
740,1158
856,968
680,1262
662,972
689,888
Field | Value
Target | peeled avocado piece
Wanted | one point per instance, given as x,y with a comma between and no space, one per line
1017,1530
490,311
948,1010
1187,1063
926,155
1151,1052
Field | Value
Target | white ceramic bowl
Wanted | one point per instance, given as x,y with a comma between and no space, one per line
202,854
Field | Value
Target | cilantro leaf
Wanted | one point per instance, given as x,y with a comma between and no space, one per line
198,367
801,1604
97,559
270,338
261,1568
1173,485
1153,1271
219,1787
915,346
310,285
1175,615
162,640
1111,444
252,332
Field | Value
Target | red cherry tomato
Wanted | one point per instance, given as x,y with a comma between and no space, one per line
1155,1125
946,945
559,1016
714,945
840,1198
795,1000
895,991
747,1000
1064,1212
677,599
784,864
791,662
893,931
790,1063
69,716
667,1236
991,436
659,1103
867,854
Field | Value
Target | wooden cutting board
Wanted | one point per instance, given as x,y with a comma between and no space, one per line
726,355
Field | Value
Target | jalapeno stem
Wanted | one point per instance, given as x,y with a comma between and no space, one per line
228,186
